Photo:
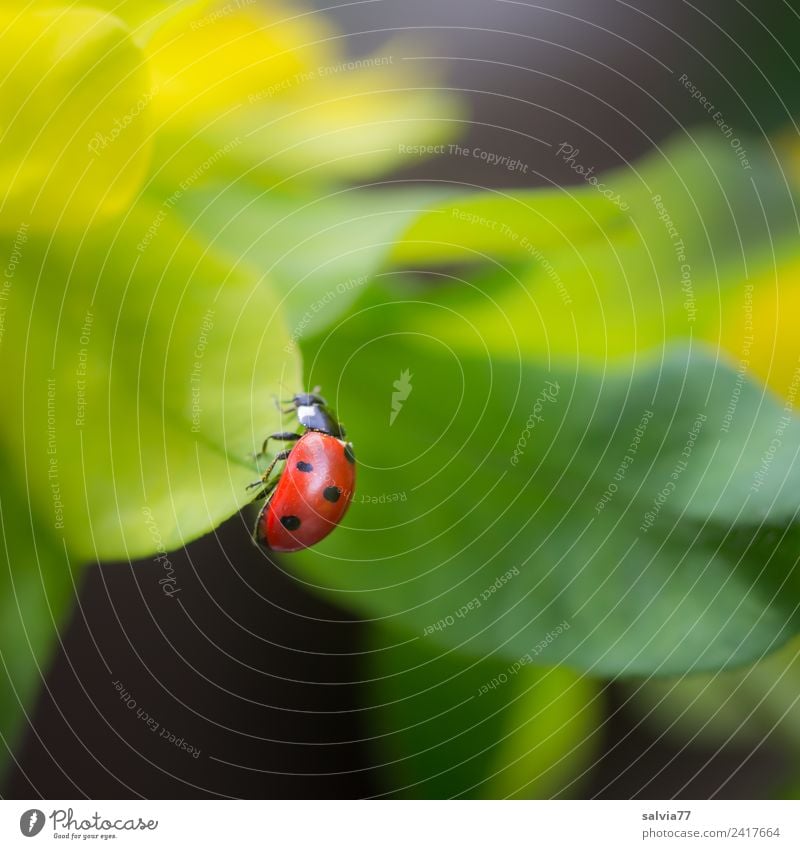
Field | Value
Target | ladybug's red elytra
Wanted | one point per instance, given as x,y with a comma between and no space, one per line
309,498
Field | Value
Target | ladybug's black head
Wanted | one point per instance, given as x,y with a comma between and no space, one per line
308,399
313,414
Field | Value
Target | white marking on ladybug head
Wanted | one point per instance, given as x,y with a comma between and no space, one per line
305,412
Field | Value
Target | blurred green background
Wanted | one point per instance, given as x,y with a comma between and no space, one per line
543,261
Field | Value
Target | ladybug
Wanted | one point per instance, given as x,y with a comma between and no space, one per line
310,496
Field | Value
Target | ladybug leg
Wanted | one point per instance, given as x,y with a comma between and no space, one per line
284,436
287,436
281,455
258,537
268,487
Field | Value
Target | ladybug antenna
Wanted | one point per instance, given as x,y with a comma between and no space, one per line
278,401
282,409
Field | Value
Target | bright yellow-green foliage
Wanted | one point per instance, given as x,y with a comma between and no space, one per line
139,362
95,111
158,348
68,75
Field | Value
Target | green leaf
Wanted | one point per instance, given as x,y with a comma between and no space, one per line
140,366
37,584
551,736
143,370
603,282
612,492
493,226
446,726
742,706
321,251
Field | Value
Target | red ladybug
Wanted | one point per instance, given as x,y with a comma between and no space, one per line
312,494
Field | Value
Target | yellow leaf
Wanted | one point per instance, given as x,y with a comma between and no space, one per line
208,61
74,99
758,329
265,90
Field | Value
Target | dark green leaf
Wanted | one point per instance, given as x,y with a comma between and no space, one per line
494,465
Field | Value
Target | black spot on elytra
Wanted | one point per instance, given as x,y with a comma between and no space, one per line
332,493
291,523
304,467
349,453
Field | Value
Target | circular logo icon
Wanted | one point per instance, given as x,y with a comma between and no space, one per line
31,822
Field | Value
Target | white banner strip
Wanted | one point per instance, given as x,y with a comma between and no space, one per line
402,824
